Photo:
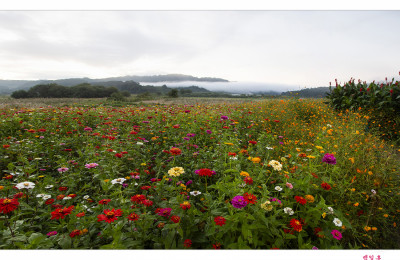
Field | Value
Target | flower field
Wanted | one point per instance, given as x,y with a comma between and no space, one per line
287,174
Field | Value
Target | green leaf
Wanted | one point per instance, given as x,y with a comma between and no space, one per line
65,242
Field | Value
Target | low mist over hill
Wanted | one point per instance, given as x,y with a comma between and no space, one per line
8,86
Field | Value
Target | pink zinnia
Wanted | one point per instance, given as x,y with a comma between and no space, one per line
62,169
336,234
91,165
289,185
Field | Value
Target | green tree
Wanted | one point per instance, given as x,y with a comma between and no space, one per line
19,94
173,93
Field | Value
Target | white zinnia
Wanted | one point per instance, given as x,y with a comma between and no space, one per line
276,165
330,210
86,197
49,186
25,185
337,222
119,180
288,211
46,197
278,188
195,193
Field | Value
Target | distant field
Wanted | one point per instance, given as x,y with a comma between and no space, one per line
41,102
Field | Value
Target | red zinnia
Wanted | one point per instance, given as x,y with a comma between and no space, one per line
49,201
300,200
8,205
217,246
185,205
248,180
79,215
317,231
133,217
219,221
325,186
250,198
187,243
63,188
232,154
296,225
61,213
75,233
175,219
175,151
204,172
109,215
252,142
147,203
104,201
138,198
18,195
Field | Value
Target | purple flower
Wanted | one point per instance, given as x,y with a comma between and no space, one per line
88,129
208,131
189,182
145,122
224,117
329,159
186,138
239,202
191,135
314,248
336,234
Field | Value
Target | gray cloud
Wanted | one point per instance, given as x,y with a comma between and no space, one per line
289,47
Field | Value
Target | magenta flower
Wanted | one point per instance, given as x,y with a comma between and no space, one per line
336,234
88,129
224,117
208,131
165,212
329,159
239,202
52,233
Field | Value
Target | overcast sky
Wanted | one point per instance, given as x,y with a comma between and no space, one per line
302,48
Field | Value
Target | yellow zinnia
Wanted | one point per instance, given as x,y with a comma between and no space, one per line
245,174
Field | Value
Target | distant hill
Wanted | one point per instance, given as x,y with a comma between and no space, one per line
319,92
8,86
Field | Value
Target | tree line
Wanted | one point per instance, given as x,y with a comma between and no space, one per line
53,90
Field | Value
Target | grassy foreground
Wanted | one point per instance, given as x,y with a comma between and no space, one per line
288,174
